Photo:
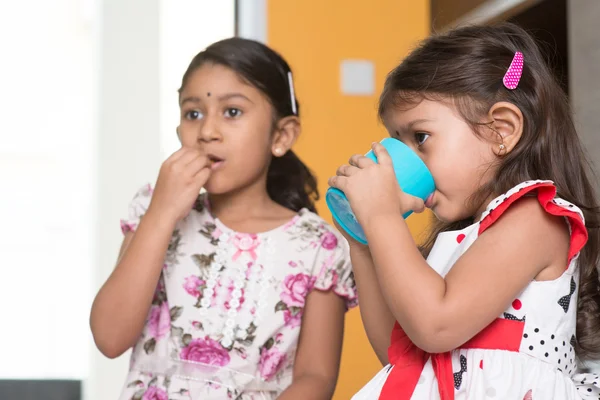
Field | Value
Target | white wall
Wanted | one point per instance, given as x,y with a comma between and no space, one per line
46,169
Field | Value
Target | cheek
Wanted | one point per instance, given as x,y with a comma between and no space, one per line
187,136
453,170
251,155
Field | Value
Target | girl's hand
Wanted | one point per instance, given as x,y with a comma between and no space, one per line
179,182
372,188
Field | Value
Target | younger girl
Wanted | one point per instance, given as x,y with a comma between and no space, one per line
216,292
503,298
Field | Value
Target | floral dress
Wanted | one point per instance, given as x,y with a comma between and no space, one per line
226,315
527,353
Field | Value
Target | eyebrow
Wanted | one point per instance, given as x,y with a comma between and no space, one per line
409,126
227,96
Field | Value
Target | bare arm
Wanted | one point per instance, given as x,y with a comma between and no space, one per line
122,304
524,244
376,316
319,349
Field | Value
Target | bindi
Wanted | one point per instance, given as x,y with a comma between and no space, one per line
208,94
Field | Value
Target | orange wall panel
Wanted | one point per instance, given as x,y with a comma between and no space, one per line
315,36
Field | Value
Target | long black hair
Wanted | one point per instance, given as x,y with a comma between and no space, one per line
289,181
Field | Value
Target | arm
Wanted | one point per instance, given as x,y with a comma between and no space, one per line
377,318
121,306
319,349
525,243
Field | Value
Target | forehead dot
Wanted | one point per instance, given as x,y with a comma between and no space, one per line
208,94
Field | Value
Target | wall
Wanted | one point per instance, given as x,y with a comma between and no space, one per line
46,171
315,36
584,85
584,68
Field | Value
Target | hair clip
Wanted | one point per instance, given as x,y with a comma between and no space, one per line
292,95
515,70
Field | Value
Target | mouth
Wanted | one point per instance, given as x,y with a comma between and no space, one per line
429,201
214,161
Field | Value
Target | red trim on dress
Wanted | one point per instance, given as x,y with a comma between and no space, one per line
408,360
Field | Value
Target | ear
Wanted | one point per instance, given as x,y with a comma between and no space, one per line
507,127
287,131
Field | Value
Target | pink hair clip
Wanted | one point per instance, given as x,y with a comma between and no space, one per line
515,70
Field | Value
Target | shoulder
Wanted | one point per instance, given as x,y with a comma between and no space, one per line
528,213
527,221
328,236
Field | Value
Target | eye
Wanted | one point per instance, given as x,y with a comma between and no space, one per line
421,138
233,112
193,115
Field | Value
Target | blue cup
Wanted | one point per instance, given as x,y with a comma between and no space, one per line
413,177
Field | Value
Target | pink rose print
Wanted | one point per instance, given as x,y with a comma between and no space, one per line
154,393
296,287
206,351
192,285
159,321
292,319
329,241
270,362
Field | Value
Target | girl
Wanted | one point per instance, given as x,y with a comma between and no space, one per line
504,297
240,292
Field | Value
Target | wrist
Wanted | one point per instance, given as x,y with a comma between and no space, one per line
159,219
378,222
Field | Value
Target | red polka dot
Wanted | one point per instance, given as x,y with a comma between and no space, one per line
481,364
460,237
517,304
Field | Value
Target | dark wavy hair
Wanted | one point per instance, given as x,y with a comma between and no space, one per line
289,181
467,65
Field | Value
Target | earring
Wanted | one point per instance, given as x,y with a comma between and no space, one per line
502,147
278,151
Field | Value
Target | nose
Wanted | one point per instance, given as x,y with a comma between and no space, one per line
209,130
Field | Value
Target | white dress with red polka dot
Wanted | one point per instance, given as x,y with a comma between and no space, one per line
526,353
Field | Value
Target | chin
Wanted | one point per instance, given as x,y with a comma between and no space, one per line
446,215
217,188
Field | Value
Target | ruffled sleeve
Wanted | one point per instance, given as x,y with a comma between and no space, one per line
546,194
137,208
333,270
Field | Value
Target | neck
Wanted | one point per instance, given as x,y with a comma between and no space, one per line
244,202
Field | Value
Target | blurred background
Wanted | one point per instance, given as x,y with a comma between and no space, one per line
88,110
